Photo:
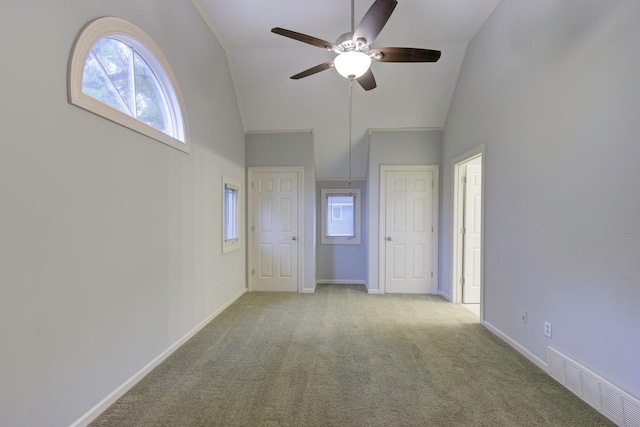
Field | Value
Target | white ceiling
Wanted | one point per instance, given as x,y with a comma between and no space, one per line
408,96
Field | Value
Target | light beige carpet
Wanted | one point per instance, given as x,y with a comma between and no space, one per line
341,357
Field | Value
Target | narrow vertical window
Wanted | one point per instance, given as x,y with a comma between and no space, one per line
230,214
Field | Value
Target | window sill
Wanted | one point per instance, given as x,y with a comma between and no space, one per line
100,109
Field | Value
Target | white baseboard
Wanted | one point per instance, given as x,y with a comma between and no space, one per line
93,413
340,282
517,346
444,295
378,292
308,291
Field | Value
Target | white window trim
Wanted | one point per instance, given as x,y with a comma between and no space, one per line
326,240
233,244
120,29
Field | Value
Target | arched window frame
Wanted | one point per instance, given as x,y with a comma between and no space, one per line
131,35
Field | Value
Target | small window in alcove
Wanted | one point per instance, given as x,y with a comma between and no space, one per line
340,217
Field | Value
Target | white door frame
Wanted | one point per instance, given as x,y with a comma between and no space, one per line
457,246
382,221
299,170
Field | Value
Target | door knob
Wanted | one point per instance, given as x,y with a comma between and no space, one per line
294,238
389,238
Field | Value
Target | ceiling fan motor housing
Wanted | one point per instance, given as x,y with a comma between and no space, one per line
345,43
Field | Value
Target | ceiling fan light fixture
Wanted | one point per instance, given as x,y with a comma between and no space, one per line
352,64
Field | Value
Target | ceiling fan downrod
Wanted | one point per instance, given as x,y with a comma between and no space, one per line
350,123
353,24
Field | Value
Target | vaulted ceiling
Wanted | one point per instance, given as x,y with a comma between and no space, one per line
408,96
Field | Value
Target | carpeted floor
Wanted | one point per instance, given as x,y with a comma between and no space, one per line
341,357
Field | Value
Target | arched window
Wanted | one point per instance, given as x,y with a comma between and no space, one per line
117,72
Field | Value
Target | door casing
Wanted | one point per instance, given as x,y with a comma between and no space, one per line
382,220
299,170
457,220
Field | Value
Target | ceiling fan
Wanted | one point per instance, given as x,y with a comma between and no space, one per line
354,48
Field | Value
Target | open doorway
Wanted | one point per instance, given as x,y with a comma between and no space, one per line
468,230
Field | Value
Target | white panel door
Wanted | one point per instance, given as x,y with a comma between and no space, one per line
408,231
472,266
275,231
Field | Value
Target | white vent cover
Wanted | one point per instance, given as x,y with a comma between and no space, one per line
617,405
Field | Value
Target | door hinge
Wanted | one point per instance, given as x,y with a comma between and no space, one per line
253,272
432,274
432,228
462,230
462,280
464,180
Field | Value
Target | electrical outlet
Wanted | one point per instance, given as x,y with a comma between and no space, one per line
547,329
523,316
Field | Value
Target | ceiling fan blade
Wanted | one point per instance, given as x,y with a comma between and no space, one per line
367,81
404,54
374,20
314,70
304,38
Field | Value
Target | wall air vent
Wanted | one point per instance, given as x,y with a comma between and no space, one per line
611,401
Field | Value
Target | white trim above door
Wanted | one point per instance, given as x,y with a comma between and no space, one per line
432,173
296,234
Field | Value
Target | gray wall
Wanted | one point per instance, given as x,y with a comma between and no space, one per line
393,148
111,241
291,149
552,88
344,263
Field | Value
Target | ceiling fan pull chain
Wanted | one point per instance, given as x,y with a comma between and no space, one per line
350,124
